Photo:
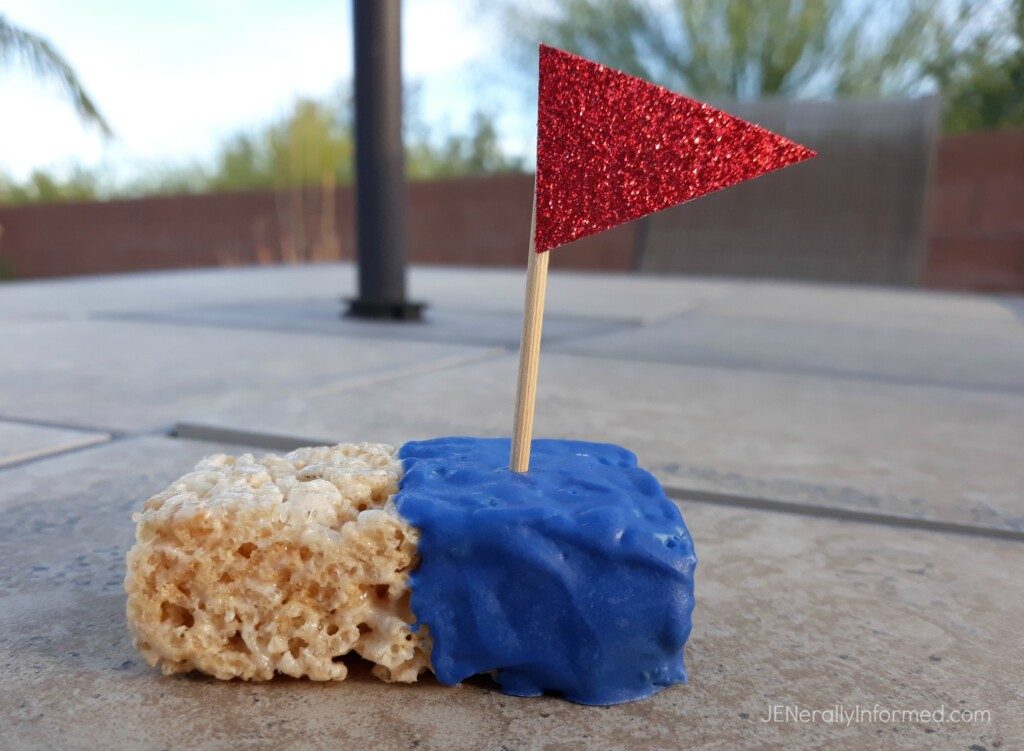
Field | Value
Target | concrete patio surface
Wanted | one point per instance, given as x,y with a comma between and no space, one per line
849,462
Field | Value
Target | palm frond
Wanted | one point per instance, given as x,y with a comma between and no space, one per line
20,46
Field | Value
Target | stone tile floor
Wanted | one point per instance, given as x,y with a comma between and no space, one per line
849,461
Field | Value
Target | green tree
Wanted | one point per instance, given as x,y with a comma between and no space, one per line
242,164
972,52
312,146
980,71
309,147
20,46
477,152
43,187
738,48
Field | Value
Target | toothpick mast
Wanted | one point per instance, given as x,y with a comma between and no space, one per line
612,148
529,351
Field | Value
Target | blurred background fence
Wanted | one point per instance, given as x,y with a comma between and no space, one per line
857,213
870,210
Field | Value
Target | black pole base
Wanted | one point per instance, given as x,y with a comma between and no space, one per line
386,311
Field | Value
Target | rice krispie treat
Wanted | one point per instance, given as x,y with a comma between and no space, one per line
575,577
244,568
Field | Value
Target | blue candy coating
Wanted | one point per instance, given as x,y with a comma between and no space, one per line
575,577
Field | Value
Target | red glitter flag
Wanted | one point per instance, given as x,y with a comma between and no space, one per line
612,148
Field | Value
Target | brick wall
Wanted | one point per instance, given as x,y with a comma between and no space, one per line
975,237
477,221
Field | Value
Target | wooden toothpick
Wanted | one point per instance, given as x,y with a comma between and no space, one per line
529,352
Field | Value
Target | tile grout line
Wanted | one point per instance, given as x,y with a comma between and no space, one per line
171,317
819,373
610,328
30,457
55,425
111,437
254,439
839,514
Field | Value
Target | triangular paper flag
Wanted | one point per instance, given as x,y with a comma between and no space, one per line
612,148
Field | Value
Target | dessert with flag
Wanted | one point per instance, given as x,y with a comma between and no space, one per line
575,577
552,565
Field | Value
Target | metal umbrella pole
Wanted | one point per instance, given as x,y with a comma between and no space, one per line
380,163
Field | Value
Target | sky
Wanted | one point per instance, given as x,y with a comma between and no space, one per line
175,79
